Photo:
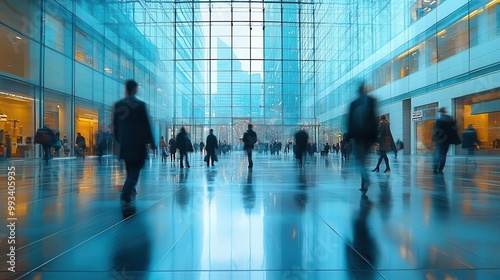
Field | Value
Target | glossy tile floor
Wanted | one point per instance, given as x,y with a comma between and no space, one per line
275,222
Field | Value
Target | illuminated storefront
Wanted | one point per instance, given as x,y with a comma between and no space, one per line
483,112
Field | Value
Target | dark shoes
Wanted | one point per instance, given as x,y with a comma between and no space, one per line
387,170
364,186
375,170
125,198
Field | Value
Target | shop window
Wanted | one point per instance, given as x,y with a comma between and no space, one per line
86,122
425,127
16,123
481,110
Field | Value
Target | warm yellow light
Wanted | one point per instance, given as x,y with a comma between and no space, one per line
472,14
441,33
408,52
492,3
86,119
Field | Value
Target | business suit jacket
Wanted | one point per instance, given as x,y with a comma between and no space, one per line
362,123
211,144
132,128
445,131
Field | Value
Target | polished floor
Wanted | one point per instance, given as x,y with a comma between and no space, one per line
275,222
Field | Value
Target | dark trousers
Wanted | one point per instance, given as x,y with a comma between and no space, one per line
211,157
100,152
383,156
182,155
299,155
46,153
172,155
249,153
133,169
440,156
361,148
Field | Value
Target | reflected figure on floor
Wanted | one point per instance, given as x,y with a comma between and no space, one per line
364,254
211,147
182,194
248,194
133,133
210,176
386,143
362,128
301,139
131,252
439,198
385,200
444,135
301,197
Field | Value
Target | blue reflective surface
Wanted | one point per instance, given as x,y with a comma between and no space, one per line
275,222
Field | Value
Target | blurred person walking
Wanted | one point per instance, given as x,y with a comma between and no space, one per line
444,134
172,148
249,140
80,145
163,149
470,143
132,131
101,141
47,138
386,143
182,142
210,148
301,139
362,127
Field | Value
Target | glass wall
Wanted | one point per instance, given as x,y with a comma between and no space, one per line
68,76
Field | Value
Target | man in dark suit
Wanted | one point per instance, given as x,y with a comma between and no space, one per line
444,134
362,125
210,147
249,140
132,131
301,139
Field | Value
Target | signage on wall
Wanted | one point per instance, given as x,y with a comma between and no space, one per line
417,116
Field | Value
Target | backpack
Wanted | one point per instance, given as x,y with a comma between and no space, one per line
42,137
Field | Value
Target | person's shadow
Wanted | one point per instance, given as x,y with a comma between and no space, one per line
131,253
301,197
385,200
248,193
439,198
363,252
211,182
182,193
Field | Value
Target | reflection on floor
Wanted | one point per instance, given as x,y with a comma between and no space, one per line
275,222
